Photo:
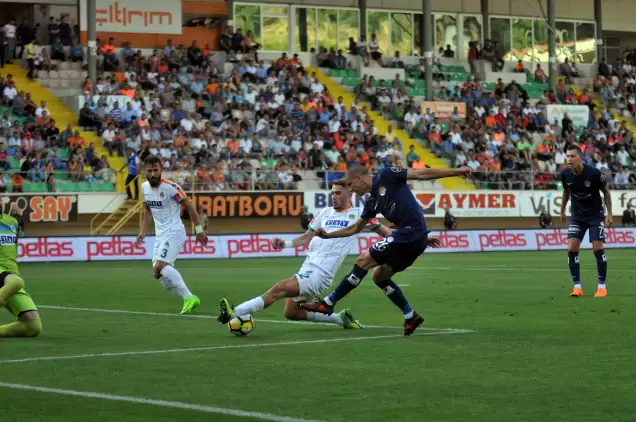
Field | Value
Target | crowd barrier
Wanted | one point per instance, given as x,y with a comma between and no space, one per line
110,248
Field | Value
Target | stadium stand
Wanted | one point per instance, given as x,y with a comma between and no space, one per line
232,121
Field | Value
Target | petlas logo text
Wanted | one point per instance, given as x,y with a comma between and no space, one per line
110,248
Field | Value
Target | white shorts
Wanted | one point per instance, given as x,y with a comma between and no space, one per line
312,281
167,247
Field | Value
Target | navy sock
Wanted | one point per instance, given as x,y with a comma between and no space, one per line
394,293
348,283
575,267
601,265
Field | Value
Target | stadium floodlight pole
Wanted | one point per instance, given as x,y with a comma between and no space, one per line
91,36
427,17
485,13
598,17
362,5
552,44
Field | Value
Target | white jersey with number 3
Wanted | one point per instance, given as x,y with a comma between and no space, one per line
328,254
164,202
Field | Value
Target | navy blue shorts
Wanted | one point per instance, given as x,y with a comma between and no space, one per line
398,255
595,226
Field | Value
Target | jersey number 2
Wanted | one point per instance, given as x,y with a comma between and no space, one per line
381,245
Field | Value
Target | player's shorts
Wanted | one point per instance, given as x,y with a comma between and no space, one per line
578,227
312,280
167,247
399,255
19,302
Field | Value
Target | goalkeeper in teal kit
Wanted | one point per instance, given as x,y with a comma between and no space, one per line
13,297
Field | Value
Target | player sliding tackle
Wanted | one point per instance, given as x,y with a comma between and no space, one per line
316,274
12,293
163,199
583,184
391,197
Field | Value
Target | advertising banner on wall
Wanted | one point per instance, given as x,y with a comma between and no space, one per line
44,208
579,114
137,16
111,248
444,109
249,204
482,203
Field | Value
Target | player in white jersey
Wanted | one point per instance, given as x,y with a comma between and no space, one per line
316,274
163,200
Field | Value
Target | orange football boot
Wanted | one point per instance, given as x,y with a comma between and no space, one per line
601,292
577,292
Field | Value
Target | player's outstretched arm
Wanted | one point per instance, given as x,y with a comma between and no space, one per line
607,198
434,174
355,228
301,240
194,217
383,230
144,225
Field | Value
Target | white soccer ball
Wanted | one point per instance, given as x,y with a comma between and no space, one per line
241,325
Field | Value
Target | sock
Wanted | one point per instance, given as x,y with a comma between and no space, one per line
251,306
11,285
316,317
575,268
394,293
30,328
348,283
601,266
173,281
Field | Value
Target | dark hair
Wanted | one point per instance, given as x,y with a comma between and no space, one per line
152,160
340,182
573,147
357,171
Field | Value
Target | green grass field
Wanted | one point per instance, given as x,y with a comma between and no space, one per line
532,352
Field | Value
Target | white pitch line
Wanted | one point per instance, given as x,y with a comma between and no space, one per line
158,403
272,321
222,347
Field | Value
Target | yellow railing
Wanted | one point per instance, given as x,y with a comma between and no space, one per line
97,228
137,208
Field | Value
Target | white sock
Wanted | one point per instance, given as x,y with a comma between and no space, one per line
409,315
251,306
172,280
316,317
577,285
601,284
328,301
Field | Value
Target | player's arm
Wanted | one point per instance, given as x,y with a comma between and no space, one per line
607,197
301,240
379,228
144,225
355,228
434,174
194,217
565,198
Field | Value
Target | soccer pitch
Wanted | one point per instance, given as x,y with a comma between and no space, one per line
502,341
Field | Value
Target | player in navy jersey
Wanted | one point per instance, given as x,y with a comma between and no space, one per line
583,184
390,196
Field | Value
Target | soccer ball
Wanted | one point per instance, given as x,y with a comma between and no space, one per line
241,325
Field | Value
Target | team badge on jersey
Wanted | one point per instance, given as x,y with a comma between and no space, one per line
389,239
587,183
352,216
161,195
382,191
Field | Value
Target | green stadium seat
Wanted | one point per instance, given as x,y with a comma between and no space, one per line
13,162
84,187
34,187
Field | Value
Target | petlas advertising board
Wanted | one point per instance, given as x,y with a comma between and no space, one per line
110,248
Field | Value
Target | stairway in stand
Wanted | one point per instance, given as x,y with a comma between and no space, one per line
62,115
112,223
337,90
